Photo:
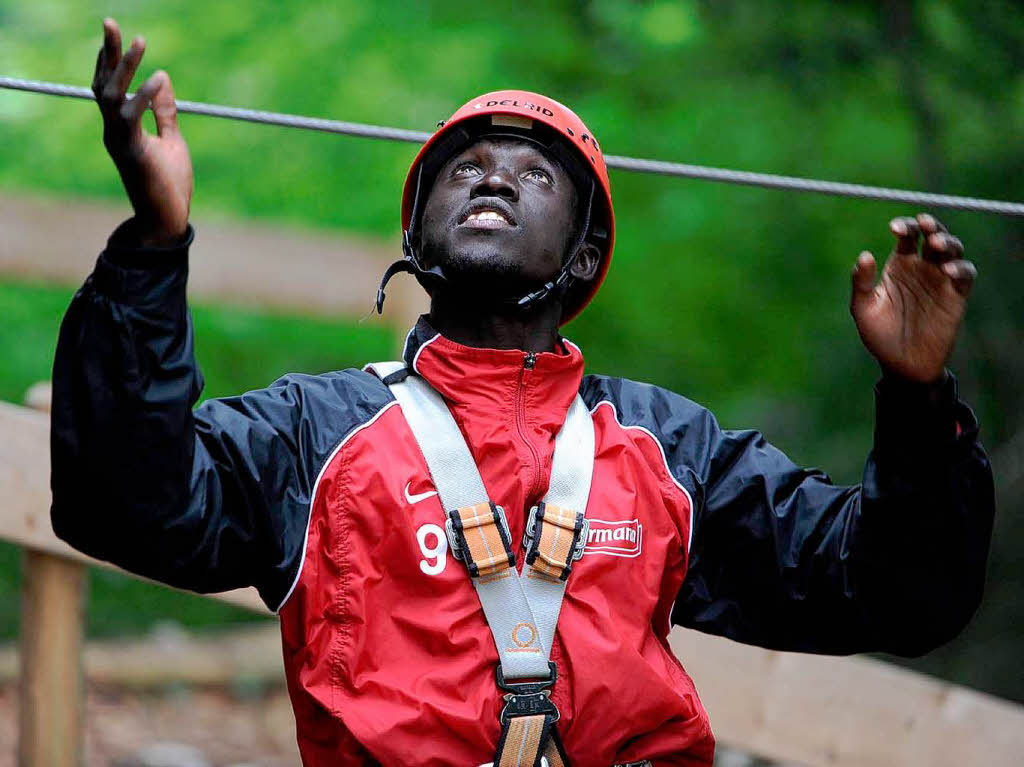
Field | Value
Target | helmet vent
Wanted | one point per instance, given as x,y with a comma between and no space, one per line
512,121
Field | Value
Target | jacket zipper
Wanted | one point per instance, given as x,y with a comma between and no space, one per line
529,361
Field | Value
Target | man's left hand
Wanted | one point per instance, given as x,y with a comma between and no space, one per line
909,320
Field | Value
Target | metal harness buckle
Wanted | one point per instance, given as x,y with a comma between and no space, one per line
531,532
453,539
528,698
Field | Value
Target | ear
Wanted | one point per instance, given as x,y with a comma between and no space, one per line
584,268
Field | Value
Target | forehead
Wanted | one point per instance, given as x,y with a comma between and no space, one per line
519,148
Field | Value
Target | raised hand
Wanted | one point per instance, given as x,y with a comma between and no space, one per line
909,320
156,170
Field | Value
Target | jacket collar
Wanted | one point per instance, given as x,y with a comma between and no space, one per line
470,375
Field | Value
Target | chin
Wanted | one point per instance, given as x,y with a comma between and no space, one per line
479,266
493,275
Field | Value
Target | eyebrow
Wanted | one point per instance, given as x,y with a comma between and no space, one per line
551,163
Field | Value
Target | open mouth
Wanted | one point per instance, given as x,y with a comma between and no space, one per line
486,217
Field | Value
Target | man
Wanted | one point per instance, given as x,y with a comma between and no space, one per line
326,494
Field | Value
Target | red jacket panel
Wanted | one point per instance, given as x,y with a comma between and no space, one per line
385,632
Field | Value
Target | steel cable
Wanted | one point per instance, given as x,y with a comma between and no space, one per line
724,175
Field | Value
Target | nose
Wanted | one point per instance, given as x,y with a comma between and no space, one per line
497,182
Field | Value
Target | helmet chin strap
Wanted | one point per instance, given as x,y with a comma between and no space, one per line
410,264
564,279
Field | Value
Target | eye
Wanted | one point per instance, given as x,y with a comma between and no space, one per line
465,168
540,175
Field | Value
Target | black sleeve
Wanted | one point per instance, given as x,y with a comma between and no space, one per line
783,559
207,500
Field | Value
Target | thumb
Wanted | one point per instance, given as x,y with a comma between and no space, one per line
165,109
133,108
863,282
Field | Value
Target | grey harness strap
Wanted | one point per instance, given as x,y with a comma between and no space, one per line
521,609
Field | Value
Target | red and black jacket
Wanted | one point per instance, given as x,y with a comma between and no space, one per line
314,491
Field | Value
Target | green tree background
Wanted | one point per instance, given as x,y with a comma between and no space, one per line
734,297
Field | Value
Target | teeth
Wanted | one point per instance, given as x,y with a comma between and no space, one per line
487,215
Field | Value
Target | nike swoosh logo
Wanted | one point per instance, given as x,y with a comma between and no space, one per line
419,496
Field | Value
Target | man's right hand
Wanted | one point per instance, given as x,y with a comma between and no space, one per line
156,170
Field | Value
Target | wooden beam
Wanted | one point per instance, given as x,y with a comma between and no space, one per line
178,657
241,262
25,477
845,712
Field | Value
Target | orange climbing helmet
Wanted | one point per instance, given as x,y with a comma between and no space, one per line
543,121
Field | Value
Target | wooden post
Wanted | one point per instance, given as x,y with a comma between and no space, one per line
51,710
51,705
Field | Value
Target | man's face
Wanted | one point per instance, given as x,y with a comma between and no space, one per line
501,215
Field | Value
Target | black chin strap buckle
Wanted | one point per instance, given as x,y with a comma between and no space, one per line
537,295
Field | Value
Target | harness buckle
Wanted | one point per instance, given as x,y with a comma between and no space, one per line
454,536
577,552
453,539
528,698
528,704
527,687
531,533
531,528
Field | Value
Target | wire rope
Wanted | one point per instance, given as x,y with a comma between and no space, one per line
660,167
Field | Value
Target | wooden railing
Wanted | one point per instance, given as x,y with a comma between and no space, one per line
812,710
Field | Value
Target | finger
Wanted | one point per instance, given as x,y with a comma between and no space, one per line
97,75
111,44
117,86
165,109
942,246
133,109
862,281
906,230
929,223
108,56
963,273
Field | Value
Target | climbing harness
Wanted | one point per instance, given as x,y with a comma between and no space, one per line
521,608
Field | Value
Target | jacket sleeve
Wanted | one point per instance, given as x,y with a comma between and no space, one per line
783,559
207,500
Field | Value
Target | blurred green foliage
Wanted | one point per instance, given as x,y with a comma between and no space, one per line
735,297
